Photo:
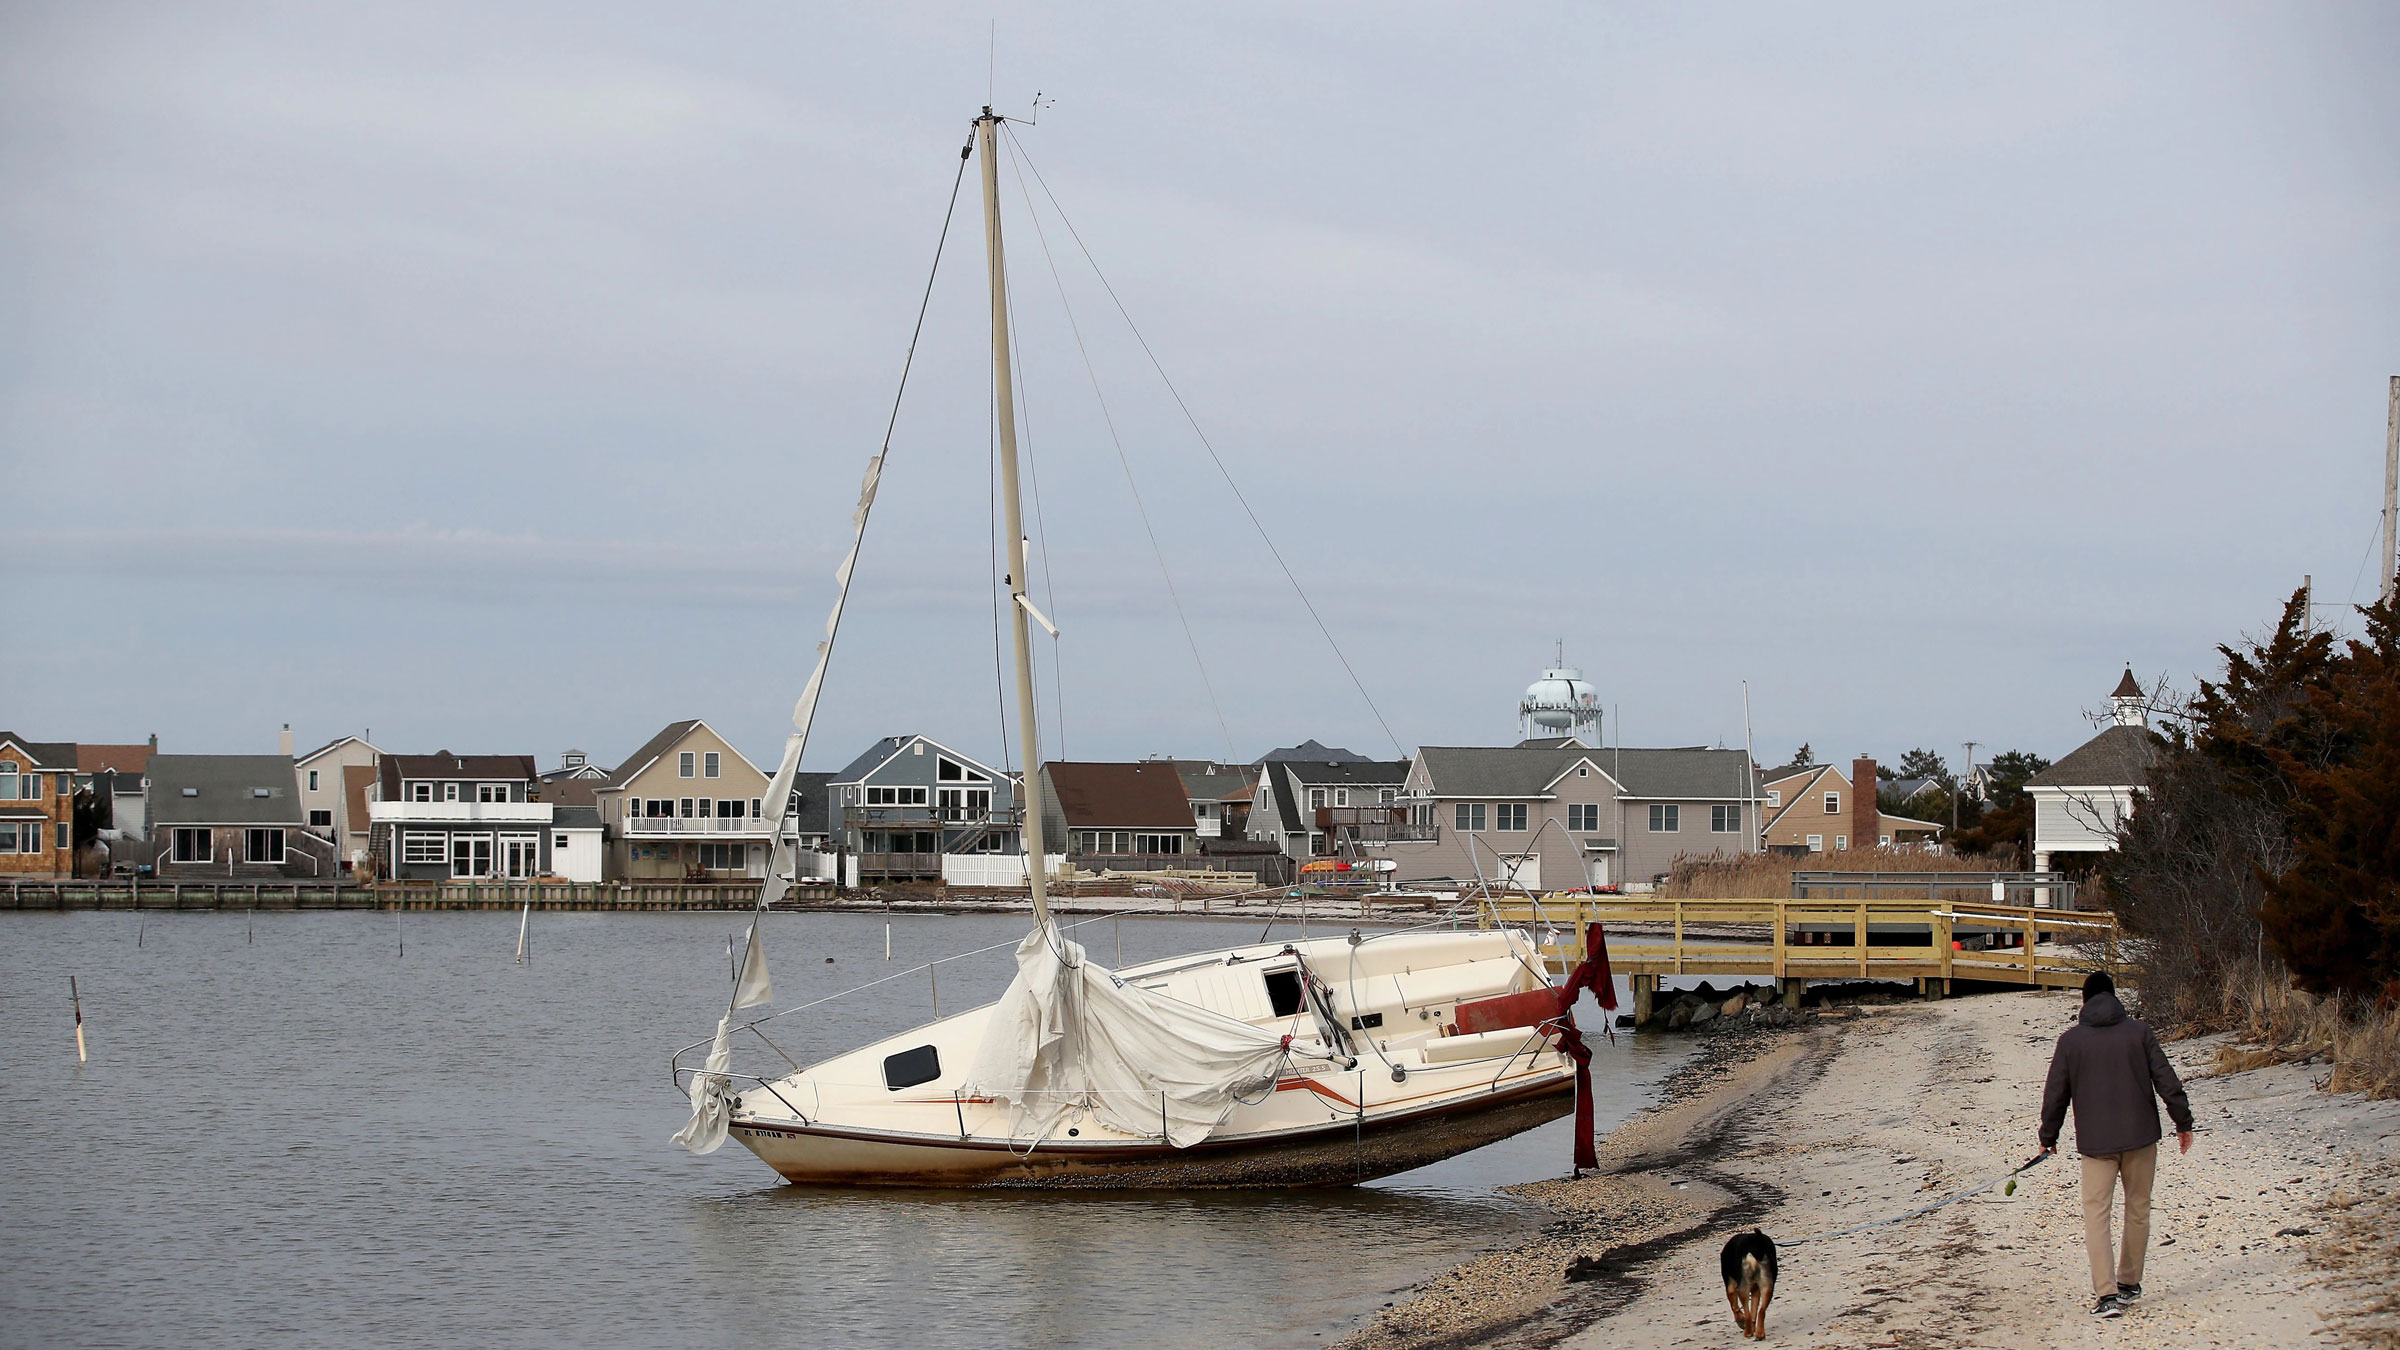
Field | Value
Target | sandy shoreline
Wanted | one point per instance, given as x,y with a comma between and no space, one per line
1868,1113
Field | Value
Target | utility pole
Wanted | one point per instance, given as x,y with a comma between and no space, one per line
2391,495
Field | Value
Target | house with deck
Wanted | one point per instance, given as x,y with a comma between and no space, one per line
1326,808
1814,808
452,817
910,801
686,806
323,778
232,818
1554,814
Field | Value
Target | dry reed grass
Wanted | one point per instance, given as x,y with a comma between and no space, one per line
2283,1025
2358,1249
1763,876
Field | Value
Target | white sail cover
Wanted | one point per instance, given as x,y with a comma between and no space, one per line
1069,1039
712,1096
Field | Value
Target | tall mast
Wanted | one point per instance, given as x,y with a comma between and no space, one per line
987,141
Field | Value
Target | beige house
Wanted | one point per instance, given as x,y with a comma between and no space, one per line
322,776
1812,808
686,806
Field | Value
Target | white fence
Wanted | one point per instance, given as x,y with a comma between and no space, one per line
991,869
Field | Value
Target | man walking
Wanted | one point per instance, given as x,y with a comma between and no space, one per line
2110,1066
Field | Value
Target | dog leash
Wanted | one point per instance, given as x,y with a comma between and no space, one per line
2007,1176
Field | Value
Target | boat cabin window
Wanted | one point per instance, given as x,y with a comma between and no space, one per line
1283,991
911,1067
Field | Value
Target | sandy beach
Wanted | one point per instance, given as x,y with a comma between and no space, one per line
2260,1235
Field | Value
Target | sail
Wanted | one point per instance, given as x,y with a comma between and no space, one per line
712,1096
1071,1041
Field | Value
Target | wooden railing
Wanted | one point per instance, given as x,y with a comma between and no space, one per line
1825,939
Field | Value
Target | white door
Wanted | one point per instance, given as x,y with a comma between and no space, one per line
1599,869
521,856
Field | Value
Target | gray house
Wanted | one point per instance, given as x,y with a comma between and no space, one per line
449,817
214,817
909,800
1321,808
1555,814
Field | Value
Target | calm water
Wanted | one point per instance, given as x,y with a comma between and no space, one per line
310,1137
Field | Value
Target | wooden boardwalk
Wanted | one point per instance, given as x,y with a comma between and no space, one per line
1796,941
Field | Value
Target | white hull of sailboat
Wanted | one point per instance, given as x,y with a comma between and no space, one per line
1417,1093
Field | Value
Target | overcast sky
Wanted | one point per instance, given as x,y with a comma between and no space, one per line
499,378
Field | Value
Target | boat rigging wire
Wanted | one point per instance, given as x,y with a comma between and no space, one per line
1041,527
1206,444
1108,418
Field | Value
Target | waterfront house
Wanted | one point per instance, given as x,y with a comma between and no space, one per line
451,817
1125,816
37,807
114,777
1319,808
232,817
687,806
357,835
2081,802
1552,813
575,764
911,801
1220,796
1814,808
811,814
322,775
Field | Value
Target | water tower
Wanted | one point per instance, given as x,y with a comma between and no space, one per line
1561,703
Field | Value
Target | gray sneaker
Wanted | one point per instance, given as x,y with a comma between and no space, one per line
2108,1306
2127,1293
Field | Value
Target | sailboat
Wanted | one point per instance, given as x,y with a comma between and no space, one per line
1323,1061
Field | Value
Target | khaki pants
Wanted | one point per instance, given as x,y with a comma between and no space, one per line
2101,1176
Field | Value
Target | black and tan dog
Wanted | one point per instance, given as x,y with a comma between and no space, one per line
1749,1265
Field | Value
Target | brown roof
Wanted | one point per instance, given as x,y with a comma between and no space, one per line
399,768
2128,687
91,758
355,778
1142,796
570,791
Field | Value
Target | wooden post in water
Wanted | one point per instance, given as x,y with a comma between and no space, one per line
887,939
75,996
524,923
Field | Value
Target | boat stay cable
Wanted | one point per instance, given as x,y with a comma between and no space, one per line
1207,445
1108,418
1041,531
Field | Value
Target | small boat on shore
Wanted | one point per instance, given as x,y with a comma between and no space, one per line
1324,1061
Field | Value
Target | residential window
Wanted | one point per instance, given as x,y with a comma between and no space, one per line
1470,815
449,792
758,809
1841,842
1774,796
491,792
1158,843
470,855
1665,819
633,807
8,782
1421,815
320,819
1316,798
28,838
1816,843
1582,816
1512,816
712,765
683,764
263,846
423,849
686,812
1341,796
724,857
729,808
1724,819
558,843
659,808
195,843
8,836
792,807
31,786
1833,803
420,792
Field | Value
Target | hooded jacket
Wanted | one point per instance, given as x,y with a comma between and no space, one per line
2110,1066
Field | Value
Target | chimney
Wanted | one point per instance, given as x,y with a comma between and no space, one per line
154,742
1865,817
286,741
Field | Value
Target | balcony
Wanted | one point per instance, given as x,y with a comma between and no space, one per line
700,827
460,813
1374,825
926,818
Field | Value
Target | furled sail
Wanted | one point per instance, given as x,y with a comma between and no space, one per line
1069,1040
